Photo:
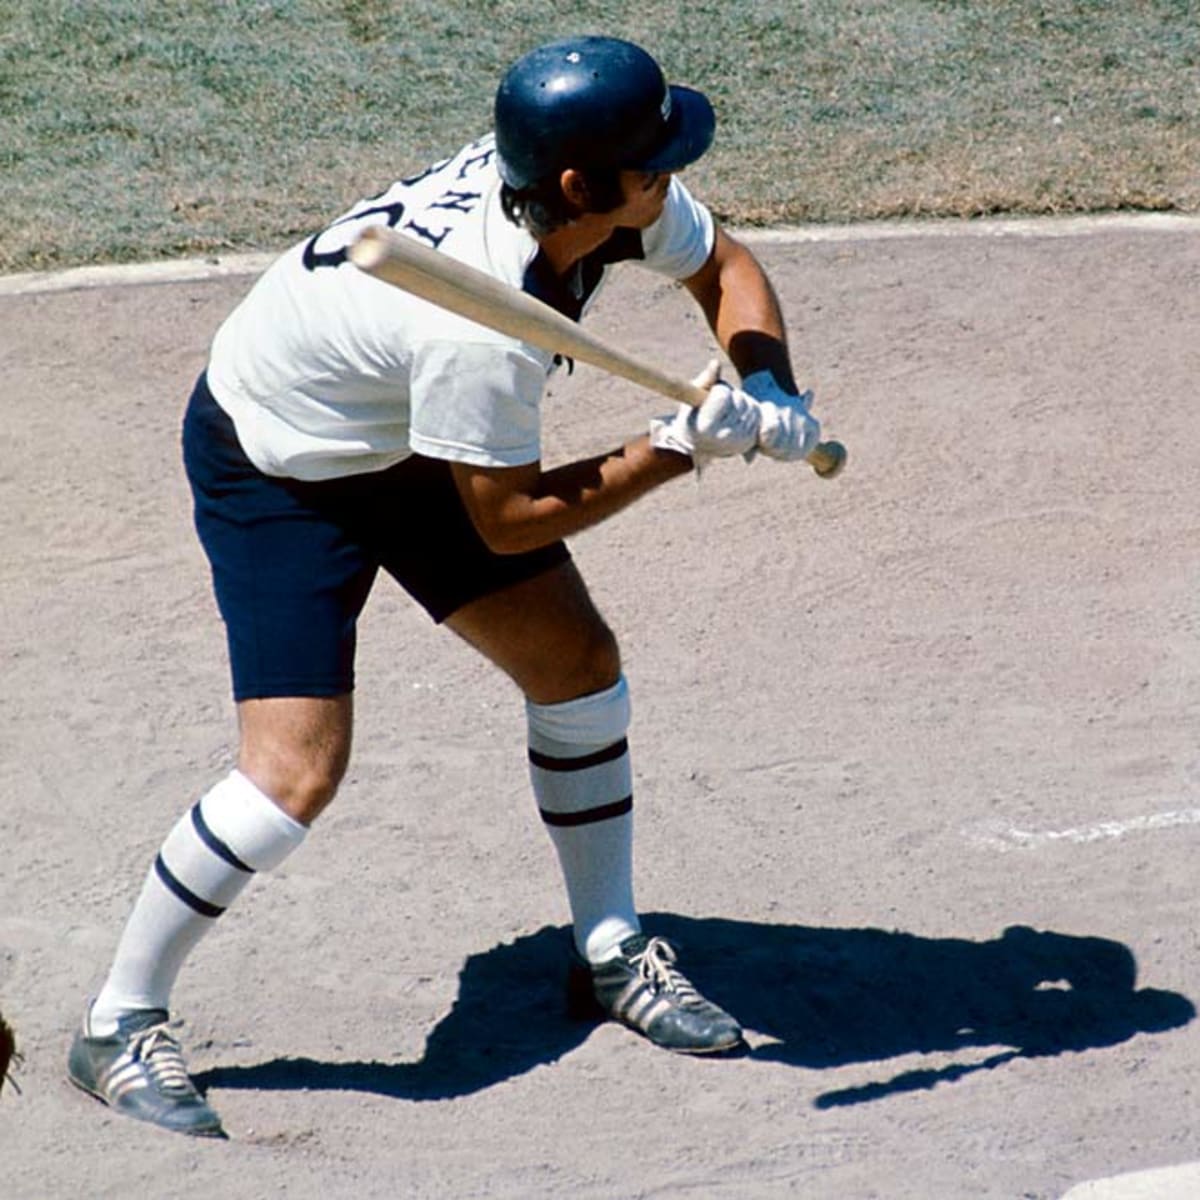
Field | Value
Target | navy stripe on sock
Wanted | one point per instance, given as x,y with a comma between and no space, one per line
603,755
589,816
214,843
173,885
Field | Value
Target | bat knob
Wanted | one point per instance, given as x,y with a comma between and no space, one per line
828,459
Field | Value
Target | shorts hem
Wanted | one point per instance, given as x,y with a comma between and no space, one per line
292,691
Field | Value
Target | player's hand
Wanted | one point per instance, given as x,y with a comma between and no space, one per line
788,434
725,424
787,430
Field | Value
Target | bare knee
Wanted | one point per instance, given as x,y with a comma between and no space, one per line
593,665
570,663
296,750
302,788
546,634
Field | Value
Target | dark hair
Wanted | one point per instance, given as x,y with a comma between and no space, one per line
542,208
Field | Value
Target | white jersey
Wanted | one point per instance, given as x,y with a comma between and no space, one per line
326,371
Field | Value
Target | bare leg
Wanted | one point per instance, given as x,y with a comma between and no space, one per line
296,749
546,635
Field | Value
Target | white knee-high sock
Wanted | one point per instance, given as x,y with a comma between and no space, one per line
213,851
582,781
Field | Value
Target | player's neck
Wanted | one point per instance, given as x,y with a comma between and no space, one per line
569,243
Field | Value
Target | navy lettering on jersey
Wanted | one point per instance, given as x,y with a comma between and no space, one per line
314,258
412,180
432,232
474,161
448,201
435,238
457,201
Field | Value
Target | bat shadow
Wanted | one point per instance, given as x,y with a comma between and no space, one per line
813,997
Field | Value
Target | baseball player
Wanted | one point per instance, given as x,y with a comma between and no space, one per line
342,427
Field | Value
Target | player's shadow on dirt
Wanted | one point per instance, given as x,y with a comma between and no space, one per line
826,998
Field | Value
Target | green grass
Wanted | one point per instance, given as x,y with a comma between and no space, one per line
138,130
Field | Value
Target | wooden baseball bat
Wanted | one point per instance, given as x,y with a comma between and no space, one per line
414,267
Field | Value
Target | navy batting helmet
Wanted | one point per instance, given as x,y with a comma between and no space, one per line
595,103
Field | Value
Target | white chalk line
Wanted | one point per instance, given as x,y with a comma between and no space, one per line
1180,1182
183,270
1004,837
218,267
990,227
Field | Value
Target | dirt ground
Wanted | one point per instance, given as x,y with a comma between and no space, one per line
916,763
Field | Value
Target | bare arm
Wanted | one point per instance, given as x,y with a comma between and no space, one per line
743,310
522,508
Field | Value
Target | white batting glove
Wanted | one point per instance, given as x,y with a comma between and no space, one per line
787,431
727,423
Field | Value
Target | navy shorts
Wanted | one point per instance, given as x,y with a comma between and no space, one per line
293,562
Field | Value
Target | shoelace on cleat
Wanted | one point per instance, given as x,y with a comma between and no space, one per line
162,1057
657,967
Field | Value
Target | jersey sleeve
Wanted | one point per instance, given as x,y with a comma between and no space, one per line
476,402
679,242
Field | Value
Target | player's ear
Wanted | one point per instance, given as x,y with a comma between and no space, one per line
575,189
